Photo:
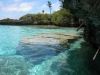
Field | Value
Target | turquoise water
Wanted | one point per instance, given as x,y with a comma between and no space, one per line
17,58
11,35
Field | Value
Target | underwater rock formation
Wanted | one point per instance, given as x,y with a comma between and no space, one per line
43,46
50,39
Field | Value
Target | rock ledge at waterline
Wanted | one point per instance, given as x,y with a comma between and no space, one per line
49,39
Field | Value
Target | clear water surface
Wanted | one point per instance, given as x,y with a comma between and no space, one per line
23,59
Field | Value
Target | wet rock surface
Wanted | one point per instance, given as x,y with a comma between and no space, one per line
50,39
39,48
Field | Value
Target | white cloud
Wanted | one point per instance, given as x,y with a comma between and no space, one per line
56,6
17,7
22,6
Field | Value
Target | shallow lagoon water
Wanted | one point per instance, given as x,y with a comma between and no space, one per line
23,59
10,36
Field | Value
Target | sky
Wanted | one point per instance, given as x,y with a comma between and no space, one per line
16,8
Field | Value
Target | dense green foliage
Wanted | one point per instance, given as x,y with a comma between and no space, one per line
36,18
62,17
10,21
89,11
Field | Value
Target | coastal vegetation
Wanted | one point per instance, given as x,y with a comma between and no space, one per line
88,10
61,17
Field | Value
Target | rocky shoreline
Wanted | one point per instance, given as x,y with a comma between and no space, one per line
50,39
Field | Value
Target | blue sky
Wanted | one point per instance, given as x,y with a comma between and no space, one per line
16,8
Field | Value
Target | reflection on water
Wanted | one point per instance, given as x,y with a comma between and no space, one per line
17,58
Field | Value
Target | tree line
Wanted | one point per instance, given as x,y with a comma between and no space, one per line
62,17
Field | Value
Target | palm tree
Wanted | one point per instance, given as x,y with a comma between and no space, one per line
62,1
43,11
50,6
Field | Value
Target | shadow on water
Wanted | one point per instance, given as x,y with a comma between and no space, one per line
37,53
80,62
55,60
